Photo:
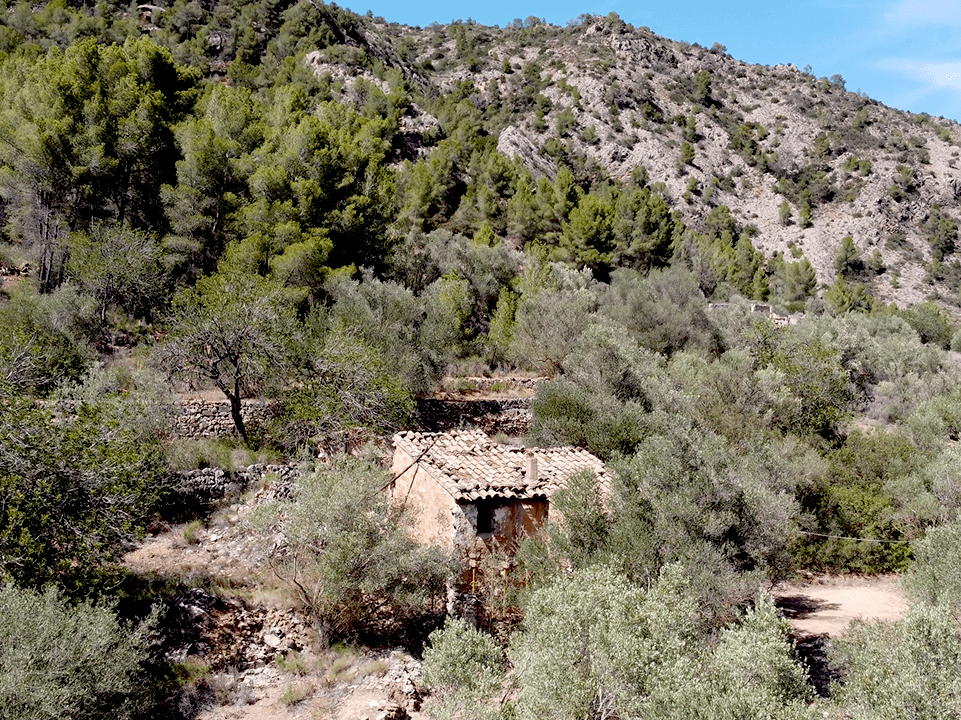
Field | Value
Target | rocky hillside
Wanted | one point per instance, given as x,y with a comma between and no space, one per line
798,161
613,100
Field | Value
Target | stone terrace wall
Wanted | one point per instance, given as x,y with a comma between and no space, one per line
199,418
211,484
511,416
510,383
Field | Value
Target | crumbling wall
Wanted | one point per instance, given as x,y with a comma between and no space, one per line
512,522
207,485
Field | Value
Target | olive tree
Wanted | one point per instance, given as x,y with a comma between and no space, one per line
595,645
906,670
346,552
343,386
77,482
44,338
120,267
63,662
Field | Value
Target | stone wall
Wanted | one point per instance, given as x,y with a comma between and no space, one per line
511,416
205,418
208,485
507,383
199,418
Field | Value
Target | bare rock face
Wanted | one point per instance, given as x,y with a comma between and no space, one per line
515,144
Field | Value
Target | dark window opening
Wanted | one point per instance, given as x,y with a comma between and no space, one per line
485,518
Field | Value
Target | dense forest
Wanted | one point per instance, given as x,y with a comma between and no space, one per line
289,201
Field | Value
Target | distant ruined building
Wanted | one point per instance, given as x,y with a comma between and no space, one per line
767,311
471,495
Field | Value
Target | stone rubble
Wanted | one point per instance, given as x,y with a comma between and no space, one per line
241,644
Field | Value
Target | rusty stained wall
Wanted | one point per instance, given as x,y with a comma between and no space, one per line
513,520
439,519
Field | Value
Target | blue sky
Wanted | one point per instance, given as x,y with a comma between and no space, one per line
904,53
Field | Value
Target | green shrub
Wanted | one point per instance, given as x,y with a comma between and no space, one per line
62,662
295,693
956,341
347,553
596,645
44,339
784,213
930,323
75,487
935,577
941,230
191,532
596,637
199,453
906,670
292,662
462,666
848,262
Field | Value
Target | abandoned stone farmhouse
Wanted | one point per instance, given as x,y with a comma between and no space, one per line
468,493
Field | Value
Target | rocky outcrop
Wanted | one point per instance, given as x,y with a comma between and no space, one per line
515,144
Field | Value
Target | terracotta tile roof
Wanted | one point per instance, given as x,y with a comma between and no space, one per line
471,466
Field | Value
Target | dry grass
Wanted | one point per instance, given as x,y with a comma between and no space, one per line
191,532
296,692
292,662
342,664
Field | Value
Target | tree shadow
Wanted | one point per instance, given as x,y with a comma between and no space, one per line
811,650
180,610
799,607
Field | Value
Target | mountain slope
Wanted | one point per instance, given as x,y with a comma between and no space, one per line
800,162
619,99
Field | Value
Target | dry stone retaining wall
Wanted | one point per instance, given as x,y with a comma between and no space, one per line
511,416
199,418
209,484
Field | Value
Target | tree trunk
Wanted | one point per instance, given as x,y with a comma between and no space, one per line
238,419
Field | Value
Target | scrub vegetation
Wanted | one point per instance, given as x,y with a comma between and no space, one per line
740,283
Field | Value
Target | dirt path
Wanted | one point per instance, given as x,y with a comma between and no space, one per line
827,606
824,608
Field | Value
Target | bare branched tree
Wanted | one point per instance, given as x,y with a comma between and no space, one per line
233,329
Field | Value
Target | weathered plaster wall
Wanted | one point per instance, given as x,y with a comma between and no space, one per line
432,509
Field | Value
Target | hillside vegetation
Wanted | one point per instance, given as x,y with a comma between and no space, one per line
334,212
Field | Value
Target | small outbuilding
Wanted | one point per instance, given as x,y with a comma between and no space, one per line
468,492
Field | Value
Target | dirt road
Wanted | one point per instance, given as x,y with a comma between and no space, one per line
826,606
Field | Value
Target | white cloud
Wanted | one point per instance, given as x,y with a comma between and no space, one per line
934,74
926,12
